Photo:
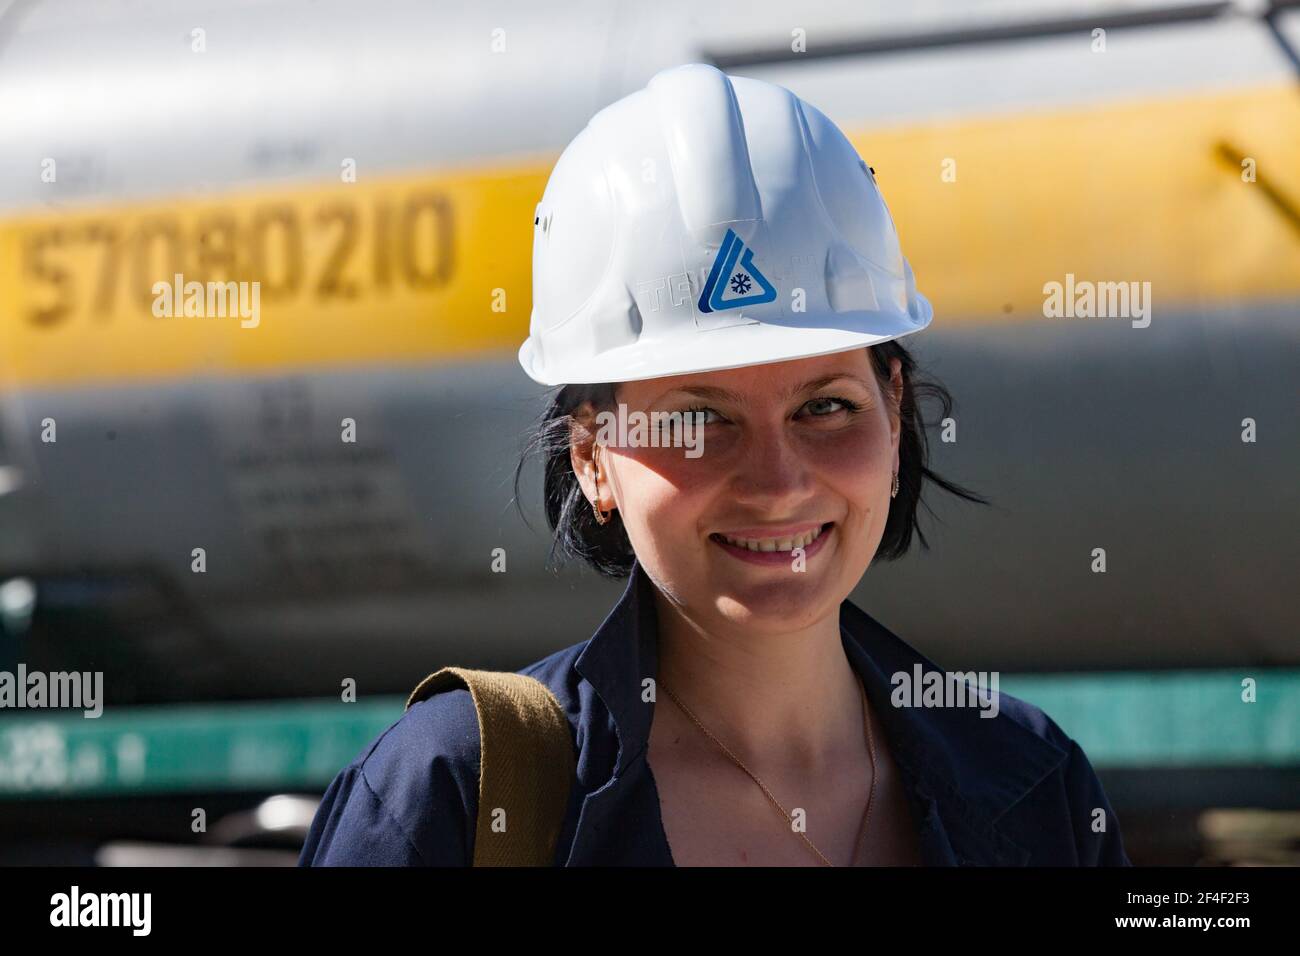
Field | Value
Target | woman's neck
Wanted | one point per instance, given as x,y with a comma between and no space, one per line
787,700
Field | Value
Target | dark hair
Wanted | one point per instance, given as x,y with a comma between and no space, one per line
607,548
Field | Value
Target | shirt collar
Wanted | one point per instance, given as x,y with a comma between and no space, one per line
967,772
622,653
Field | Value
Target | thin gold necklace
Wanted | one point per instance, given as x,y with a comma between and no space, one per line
871,749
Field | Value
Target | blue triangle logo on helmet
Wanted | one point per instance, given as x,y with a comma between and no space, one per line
725,277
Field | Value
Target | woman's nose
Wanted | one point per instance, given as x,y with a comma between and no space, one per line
772,468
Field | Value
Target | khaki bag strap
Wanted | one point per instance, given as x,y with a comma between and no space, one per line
526,763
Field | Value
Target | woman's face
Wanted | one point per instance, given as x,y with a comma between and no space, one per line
788,450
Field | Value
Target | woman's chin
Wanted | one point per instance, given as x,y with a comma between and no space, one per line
776,605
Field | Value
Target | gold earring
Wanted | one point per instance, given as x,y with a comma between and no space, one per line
894,491
601,516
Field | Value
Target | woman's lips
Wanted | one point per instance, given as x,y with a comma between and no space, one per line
771,558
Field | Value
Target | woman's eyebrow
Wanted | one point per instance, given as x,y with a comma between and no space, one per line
716,393
824,380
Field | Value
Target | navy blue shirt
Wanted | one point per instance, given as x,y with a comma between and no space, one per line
1006,791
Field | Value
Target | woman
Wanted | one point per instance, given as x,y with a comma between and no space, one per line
712,257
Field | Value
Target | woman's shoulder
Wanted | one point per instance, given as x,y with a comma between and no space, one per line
411,796
960,704
992,751
1067,788
559,673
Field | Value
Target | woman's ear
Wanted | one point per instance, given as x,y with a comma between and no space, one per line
587,457
582,447
895,399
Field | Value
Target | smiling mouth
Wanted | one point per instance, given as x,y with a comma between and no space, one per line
787,543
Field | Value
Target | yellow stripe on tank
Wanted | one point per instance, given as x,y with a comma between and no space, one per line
1134,191
436,266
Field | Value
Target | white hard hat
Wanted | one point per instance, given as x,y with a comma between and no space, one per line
708,222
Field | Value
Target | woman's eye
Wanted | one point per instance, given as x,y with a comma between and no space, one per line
699,415
821,407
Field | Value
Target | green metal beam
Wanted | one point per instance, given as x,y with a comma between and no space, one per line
1173,719
1179,719
294,745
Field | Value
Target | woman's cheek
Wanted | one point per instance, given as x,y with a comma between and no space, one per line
681,469
856,450
666,494
656,483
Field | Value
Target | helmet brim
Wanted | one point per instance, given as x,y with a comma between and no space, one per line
733,346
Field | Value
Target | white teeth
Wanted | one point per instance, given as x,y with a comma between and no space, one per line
775,544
